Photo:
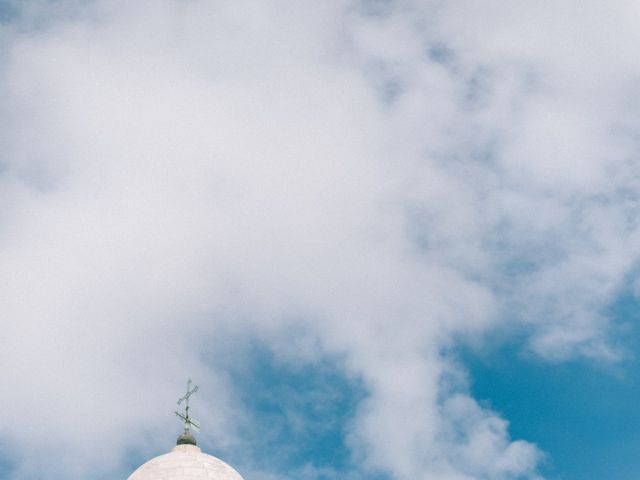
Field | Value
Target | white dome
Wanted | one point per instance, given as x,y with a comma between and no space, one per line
185,462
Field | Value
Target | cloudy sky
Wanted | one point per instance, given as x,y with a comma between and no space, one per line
390,240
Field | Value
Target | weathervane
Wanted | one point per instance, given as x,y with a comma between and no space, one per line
189,423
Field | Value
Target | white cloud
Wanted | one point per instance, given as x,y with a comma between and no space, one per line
180,171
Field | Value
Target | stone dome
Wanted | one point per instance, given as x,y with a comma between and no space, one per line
185,462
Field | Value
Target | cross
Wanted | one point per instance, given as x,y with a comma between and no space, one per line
190,391
188,421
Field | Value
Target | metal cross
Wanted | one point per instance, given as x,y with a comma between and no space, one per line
188,421
190,391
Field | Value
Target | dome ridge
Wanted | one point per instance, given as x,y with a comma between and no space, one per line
185,462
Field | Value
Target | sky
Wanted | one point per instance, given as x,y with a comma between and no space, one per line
389,240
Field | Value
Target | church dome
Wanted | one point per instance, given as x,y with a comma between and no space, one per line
185,462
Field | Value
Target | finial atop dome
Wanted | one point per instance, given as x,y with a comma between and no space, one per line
186,438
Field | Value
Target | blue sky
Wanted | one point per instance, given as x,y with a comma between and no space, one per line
583,414
389,240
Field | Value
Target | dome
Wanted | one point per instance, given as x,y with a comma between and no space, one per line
185,462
